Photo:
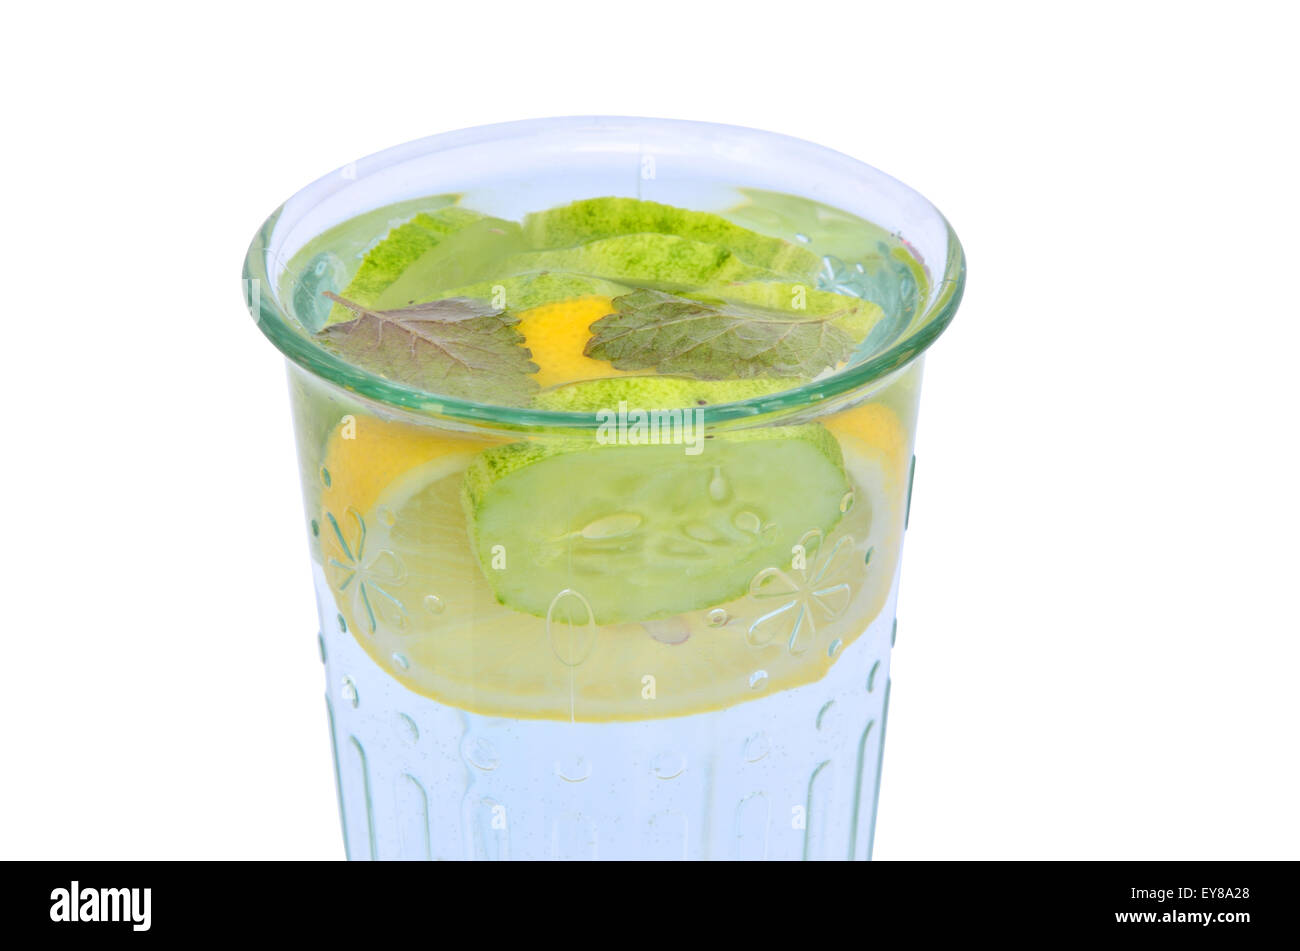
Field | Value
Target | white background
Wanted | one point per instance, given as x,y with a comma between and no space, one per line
1097,653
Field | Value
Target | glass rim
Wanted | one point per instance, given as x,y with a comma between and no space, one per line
302,351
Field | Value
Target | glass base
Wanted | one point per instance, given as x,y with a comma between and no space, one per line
794,775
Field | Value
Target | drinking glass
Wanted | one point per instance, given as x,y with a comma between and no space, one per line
751,726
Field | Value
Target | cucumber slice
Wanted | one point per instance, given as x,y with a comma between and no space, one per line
594,218
473,253
521,292
402,247
661,260
640,532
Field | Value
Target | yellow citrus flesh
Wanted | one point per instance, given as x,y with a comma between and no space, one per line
877,453
556,333
365,455
399,562
875,430
454,642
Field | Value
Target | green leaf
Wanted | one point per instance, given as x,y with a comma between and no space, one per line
453,347
714,340
853,315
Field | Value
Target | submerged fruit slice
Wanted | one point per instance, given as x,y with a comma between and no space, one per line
403,245
637,532
557,332
367,457
519,292
402,571
658,259
371,468
472,253
595,218
877,452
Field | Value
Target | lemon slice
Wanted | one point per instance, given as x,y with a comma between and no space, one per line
404,575
877,449
557,333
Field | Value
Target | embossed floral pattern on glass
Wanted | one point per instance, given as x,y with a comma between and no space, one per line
363,574
815,590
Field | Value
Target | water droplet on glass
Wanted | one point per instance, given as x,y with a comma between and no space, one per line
407,729
400,662
870,552
718,617
758,679
846,503
756,747
668,765
349,692
871,677
325,477
747,522
320,642
572,769
834,647
386,516
718,487
478,752
315,529
433,604
800,236
612,526
343,625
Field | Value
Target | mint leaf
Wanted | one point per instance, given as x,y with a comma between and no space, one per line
453,347
714,340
